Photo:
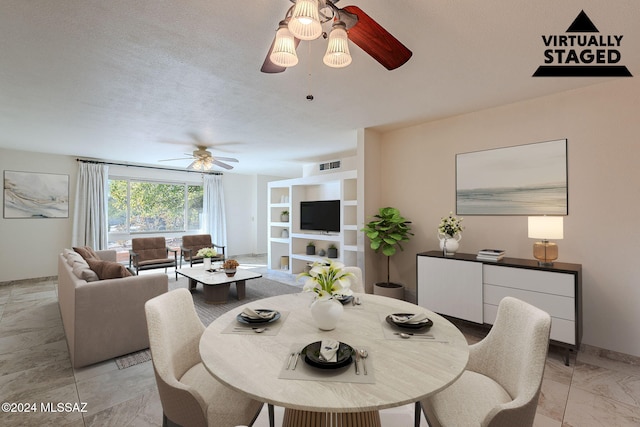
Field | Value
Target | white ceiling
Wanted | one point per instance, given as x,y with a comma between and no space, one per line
132,80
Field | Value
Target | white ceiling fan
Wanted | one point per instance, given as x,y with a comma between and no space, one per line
203,160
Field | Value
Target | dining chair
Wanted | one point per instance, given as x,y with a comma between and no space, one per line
190,396
501,384
355,279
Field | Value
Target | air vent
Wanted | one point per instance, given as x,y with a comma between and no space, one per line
330,165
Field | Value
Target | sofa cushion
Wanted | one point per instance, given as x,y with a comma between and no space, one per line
82,271
86,252
73,258
108,269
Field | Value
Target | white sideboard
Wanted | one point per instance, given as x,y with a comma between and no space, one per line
466,288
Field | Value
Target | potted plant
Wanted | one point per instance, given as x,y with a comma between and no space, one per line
311,248
207,254
386,231
330,282
284,216
450,233
230,267
332,252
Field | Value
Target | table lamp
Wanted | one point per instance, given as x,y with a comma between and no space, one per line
545,228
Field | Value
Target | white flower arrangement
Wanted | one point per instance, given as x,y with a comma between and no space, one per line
327,279
207,253
450,225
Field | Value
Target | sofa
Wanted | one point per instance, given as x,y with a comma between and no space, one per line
103,318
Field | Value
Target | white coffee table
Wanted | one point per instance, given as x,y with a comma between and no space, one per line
216,284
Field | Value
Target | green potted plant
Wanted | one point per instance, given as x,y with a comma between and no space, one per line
311,248
386,231
284,216
332,251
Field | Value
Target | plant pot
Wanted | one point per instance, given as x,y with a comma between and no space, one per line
284,218
391,290
311,250
206,262
332,252
448,244
326,313
230,272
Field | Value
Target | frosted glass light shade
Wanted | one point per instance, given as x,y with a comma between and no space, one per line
284,48
305,20
546,227
337,55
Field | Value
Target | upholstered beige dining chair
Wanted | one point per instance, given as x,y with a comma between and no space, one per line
501,384
190,396
355,279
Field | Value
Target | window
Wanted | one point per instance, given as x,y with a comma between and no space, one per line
152,207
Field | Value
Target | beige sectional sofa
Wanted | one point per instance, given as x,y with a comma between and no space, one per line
105,318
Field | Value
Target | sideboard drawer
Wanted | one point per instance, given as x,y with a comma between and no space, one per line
531,280
562,330
556,305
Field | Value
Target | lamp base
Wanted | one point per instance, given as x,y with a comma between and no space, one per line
545,252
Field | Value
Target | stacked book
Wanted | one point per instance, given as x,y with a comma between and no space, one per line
490,254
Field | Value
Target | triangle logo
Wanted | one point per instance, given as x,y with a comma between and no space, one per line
582,24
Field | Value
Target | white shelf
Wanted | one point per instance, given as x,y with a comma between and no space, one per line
317,237
341,186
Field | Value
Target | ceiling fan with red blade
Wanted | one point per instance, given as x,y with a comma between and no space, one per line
304,20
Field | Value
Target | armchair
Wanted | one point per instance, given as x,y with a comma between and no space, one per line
152,252
192,244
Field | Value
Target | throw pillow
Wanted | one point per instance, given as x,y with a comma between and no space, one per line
72,258
84,272
86,252
108,269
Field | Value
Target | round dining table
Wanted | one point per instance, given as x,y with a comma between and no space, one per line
401,370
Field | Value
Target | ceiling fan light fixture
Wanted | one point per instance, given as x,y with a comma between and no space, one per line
305,20
284,48
337,54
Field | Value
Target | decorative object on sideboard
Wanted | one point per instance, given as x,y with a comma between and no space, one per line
386,231
311,248
545,228
230,267
450,234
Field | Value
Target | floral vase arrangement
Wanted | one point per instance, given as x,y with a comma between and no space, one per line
207,254
329,281
450,233
230,267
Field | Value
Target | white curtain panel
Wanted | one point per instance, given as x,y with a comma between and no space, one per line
215,221
90,215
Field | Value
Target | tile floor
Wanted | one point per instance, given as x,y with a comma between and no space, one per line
35,368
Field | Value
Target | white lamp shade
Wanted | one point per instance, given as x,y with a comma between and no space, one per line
305,20
546,227
337,55
284,49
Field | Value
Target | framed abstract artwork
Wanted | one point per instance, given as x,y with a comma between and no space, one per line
35,195
527,179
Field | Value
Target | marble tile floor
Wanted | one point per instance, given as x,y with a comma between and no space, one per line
35,369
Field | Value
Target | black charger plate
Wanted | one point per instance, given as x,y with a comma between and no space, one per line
427,323
312,356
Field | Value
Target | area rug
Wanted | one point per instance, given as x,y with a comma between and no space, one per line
255,289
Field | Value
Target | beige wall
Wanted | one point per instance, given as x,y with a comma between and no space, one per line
28,246
602,125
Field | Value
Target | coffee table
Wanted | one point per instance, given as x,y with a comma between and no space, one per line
216,284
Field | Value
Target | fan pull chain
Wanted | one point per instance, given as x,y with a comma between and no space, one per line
309,96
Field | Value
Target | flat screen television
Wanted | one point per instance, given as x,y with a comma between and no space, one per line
320,215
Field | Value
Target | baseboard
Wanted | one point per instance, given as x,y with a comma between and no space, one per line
29,281
610,354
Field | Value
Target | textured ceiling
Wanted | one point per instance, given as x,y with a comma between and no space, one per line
139,80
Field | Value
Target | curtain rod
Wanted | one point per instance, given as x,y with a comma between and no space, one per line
101,162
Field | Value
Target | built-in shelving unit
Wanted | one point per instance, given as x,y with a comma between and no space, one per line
287,195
